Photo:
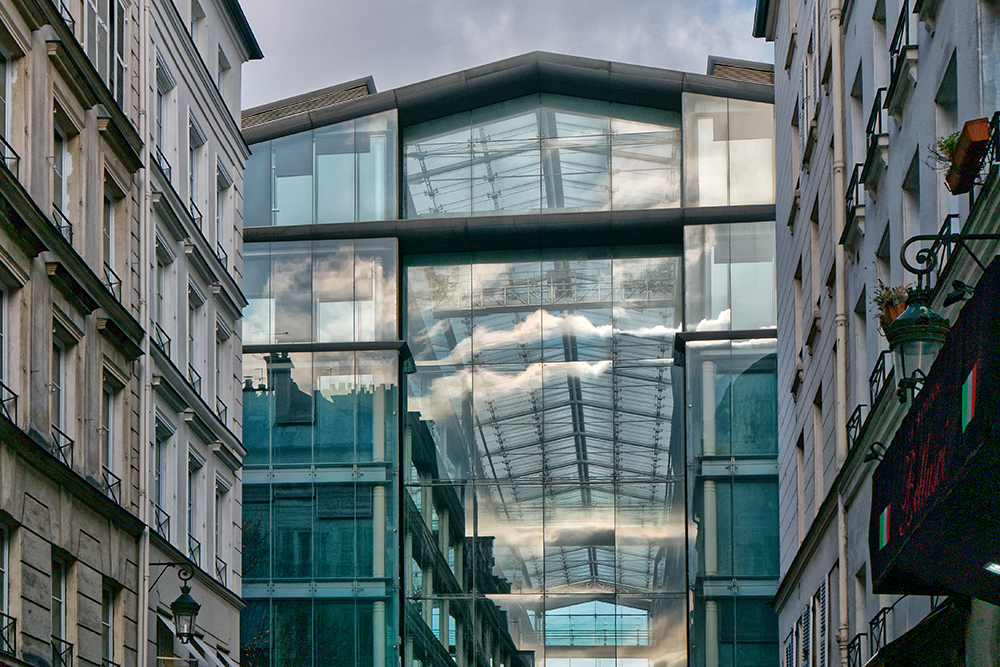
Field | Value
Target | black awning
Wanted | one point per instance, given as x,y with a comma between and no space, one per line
937,640
935,513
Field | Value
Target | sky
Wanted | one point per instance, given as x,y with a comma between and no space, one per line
312,44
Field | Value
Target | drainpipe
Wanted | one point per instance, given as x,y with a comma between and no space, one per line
840,371
145,403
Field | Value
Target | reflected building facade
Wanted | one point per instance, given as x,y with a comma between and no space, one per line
510,371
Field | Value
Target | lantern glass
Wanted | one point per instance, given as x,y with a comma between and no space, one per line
915,355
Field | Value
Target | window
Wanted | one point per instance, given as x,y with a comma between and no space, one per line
196,355
197,14
196,141
222,207
3,582
4,98
57,399
60,161
107,427
58,598
224,68
159,462
195,464
163,317
221,519
108,624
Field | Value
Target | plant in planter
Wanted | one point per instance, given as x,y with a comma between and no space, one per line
942,152
890,301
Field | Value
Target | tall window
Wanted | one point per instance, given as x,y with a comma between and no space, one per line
159,447
58,598
108,624
160,107
107,428
196,354
108,231
4,96
104,40
59,161
3,575
194,472
57,399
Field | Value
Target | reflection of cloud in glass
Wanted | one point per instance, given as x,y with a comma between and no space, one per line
438,402
720,323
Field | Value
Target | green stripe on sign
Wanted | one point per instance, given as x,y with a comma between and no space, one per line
969,397
883,527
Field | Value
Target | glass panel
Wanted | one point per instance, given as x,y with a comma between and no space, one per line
344,633
335,164
337,395
258,316
292,159
256,533
706,135
257,187
292,620
375,146
291,284
751,152
650,530
375,290
344,530
645,165
333,290
293,531
579,537
256,640
290,379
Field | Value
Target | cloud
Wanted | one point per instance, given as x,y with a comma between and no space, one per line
311,44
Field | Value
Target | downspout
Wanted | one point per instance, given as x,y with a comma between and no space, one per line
145,403
840,371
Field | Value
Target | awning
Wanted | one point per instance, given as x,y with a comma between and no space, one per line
935,512
937,640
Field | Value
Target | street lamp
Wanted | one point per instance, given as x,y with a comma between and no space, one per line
915,338
185,610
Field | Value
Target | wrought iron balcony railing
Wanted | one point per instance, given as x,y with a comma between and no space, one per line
195,214
62,446
223,256
854,425
855,194
877,631
8,634
220,570
62,223
878,379
194,549
220,409
8,402
855,650
62,653
112,485
194,377
11,160
107,662
161,521
162,162
112,282
66,15
903,40
161,338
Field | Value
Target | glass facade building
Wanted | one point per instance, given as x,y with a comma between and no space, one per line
550,444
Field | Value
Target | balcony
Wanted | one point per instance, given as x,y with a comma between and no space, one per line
194,549
194,377
854,426
902,60
8,402
161,162
62,446
8,634
876,143
66,15
112,484
62,653
161,521
854,200
11,160
161,338
112,282
221,410
62,223
108,663
220,570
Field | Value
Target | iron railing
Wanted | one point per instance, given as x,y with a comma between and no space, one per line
62,653
112,485
62,223
112,282
877,631
220,570
934,259
222,255
11,159
107,662
878,379
161,521
8,634
194,377
903,39
878,125
221,409
66,15
8,402
855,195
62,446
161,338
195,214
854,425
162,162
194,549
855,650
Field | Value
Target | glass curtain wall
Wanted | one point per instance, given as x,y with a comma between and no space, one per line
339,173
544,503
321,432
543,153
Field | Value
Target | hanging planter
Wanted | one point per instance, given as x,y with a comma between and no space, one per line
890,301
967,157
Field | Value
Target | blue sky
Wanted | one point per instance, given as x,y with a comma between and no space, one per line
311,44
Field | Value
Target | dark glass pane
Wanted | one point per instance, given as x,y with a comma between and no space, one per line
256,533
255,634
293,633
257,187
293,531
290,379
755,528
